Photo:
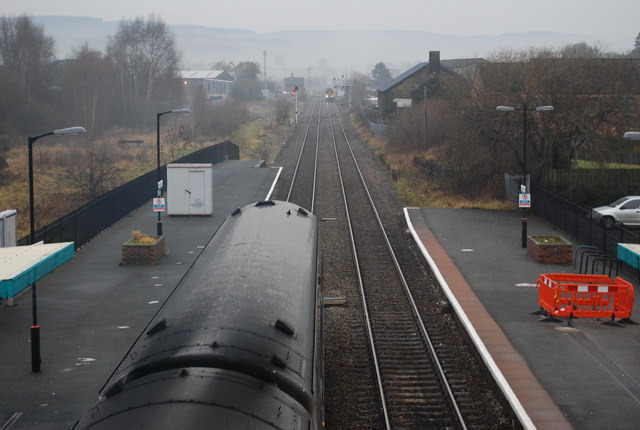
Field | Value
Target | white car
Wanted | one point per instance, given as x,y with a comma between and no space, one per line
625,210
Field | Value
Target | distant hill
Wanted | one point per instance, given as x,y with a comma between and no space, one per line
304,53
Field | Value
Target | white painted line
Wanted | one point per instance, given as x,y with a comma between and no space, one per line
482,349
11,421
153,302
273,185
526,285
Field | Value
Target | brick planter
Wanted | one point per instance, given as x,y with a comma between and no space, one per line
142,255
550,249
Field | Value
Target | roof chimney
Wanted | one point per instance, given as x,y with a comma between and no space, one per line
434,59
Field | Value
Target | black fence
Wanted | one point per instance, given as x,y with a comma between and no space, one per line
592,186
576,221
86,222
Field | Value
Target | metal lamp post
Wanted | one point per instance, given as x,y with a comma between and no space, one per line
35,328
159,192
524,110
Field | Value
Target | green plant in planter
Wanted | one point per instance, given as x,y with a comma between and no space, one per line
549,240
139,238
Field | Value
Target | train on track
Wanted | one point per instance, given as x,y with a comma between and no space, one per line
238,343
329,95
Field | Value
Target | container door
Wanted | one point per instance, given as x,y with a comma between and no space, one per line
196,189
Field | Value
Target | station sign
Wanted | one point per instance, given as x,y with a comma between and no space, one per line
524,200
159,204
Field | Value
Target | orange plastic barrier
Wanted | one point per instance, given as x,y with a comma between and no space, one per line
585,296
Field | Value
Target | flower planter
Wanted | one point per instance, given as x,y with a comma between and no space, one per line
550,249
142,255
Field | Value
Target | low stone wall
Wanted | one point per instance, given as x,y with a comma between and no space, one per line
550,253
142,255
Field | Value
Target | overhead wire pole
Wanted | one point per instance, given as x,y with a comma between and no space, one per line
426,141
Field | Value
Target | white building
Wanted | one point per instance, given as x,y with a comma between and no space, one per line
216,84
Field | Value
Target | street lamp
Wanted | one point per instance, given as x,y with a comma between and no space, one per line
524,110
159,192
35,328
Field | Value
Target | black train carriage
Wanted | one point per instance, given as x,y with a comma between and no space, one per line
238,343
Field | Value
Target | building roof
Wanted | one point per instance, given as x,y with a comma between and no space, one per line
206,74
403,76
415,69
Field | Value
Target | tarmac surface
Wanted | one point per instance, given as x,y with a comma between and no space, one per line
590,371
92,309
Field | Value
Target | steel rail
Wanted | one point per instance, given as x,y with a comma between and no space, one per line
419,320
365,307
302,147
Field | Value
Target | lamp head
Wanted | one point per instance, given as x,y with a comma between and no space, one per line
70,130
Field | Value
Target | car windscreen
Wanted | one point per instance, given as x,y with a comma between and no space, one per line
617,202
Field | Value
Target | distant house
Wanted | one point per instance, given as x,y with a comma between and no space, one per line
410,85
214,84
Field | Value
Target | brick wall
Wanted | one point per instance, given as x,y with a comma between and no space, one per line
142,255
550,253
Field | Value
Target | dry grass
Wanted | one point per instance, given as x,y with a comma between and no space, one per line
413,186
54,157
258,140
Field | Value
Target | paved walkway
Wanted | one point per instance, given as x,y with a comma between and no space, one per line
92,309
590,372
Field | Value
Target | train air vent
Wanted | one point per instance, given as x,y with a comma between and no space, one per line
161,325
265,203
236,212
303,212
285,328
279,362
114,389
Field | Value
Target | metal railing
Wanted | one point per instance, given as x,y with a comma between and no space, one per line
577,222
86,222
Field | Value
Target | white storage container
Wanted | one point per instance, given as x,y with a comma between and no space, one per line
190,189
8,228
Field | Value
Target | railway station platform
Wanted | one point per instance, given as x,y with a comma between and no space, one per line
92,309
583,377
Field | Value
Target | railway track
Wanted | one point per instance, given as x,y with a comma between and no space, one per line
391,370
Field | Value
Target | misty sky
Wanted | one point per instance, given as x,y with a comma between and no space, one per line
614,23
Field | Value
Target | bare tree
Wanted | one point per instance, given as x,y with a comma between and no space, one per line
94,171
145,60
26,55
85,90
